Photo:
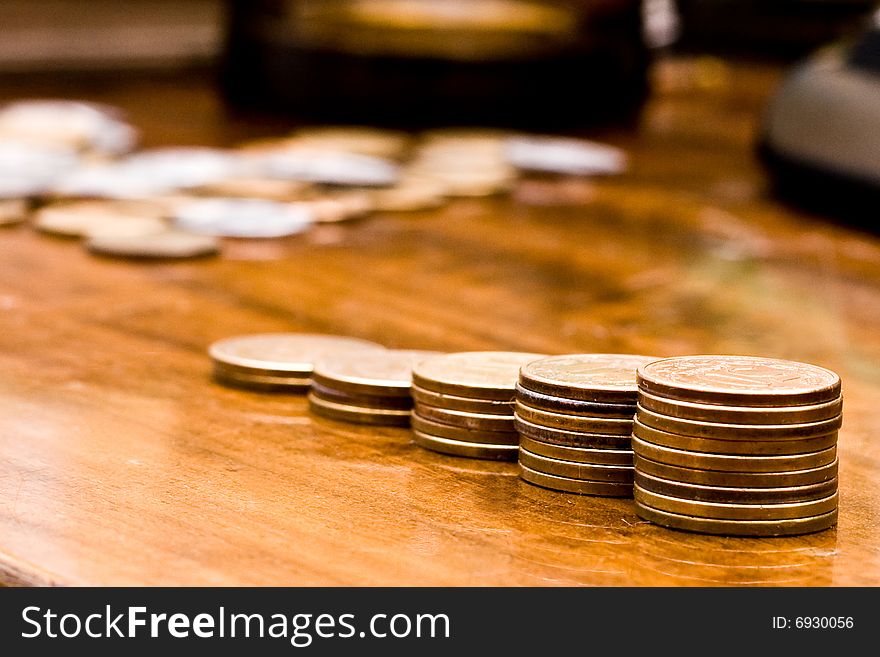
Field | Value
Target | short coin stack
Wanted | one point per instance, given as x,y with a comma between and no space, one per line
464,403
574,415
366,387
737,445
277,362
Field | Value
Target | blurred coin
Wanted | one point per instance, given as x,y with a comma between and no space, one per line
163,244
740,511
578,486
574,422
358,414
739,380
603,378
467,183
387,402
732,463
346,169
463,434
258,188
577,157
737,479
573,407
243,218
740,414
571,438
339,206
735,495
573,470
411,194
463,448
475,374
385,372
252,380
476,421
741,447
485,406
737,527
353,139
577,454
12,211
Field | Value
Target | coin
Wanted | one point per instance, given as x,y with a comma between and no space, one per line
737,479
737,527
574,422
243,217
85,218
721,511
578,486
463,434
745,432
410,194
280,355
463,448
573,407
577,157
577,454
12,211
740,414
476,421
740,447
352,139
250,380
732,463
603,378
735,495
358,414
386,402
379,372
263,188
475,374
164,244
573,470
330,167
454,403
571,438
739,380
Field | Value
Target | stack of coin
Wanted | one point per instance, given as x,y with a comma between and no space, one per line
278,362
366,387
464,403
736,445
574,415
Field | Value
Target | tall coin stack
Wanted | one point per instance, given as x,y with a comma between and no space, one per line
737,445
366,387
464,403
574,415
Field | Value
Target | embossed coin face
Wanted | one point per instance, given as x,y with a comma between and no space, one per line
475,374
603,378
283,352
739,380
370,372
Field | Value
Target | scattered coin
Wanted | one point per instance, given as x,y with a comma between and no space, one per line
595,378
243,218
578,486
164,244
577,157
352,139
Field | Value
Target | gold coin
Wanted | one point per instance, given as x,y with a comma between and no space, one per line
740,511
475,374
735,495
484,406
362,140
571,438
410,194
81,218
622,474
740,414
739,380
265,188
164,244
268,382
732,463
603,378
737,479
375,372
463,434
578,486
745,432
357,414
577,454
12,211
740,447
463,448
577,423
737,527
574,407
381,402
284,354
475,421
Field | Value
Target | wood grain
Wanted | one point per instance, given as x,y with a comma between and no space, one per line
122,463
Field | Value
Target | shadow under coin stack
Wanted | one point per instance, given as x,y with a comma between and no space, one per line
464,403
575,416
738,446
277,362
366,387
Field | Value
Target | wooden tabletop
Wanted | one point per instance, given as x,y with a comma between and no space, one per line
122,463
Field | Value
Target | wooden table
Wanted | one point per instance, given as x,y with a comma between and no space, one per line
122,463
